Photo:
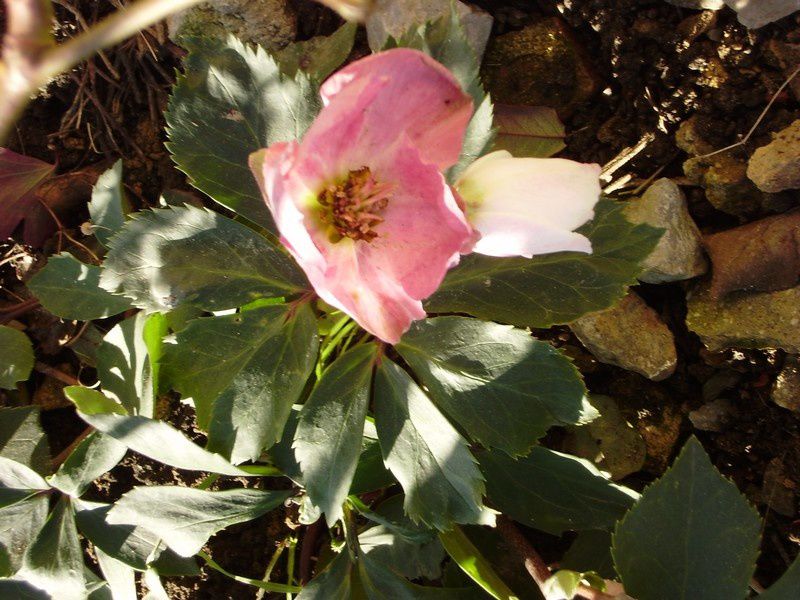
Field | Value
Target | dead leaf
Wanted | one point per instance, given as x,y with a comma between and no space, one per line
534,131
759,256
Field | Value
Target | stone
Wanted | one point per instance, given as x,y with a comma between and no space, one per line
630,335
746,320
622,447
269,23
540,65
679,253
691,137
788,57
395,17
786,389
724,177
699,4
776,166
757,13
712,416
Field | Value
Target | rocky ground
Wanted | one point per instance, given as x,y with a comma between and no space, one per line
708,343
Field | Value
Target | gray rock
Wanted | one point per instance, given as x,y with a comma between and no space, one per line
679,253
396,17
786,390
699,4
757,13
776,166
629,335
270,23
712,416
746,320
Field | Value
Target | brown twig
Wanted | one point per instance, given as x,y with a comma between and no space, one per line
14,312
534,564
56,374
64,454
307,548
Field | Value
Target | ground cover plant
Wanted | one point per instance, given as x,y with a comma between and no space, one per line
352,338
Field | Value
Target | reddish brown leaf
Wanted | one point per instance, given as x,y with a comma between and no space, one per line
763,256
528,130
19,178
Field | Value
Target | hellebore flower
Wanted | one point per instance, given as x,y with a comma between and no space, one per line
361,202
363,207
528,206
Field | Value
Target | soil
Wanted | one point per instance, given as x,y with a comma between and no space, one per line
654,65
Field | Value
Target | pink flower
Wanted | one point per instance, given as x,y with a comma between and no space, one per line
361,202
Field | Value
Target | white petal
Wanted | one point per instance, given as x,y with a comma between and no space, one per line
527,206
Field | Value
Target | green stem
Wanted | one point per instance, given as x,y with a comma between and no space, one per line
271,566
350,532
290,565
263,470
279,588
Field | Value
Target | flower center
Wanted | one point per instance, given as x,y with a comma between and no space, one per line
352,207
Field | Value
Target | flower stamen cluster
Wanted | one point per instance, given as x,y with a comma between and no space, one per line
352,207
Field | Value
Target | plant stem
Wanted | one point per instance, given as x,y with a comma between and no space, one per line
271,566
208,481
279,588
534,564
290,565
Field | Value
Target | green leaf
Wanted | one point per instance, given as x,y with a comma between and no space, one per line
427,455
466,555
54,560
231,101
320,56
533,131
120,577
379,582
18,482
478,139
21,590
552,288
244,372
96,454
166,257
19,524
71,289
22,438
92,402
505,388
124,365
591,551
333,583
185,518
16,357
786,587
553,492
160,441
691,535
108,206
327,442
389,543
131,545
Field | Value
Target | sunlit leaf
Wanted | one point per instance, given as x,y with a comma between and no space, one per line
503,387
109,205
327,442
185,518
16,357
244,372
170,256
71,289
430,459
231,101
94,455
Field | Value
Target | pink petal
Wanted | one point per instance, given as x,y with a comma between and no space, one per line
418,97
529,206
